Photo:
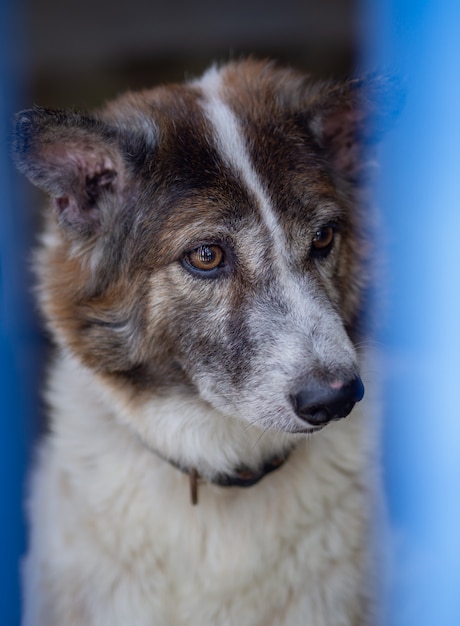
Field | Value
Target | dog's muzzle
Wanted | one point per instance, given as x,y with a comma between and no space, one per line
318,404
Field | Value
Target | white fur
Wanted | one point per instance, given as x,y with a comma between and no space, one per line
232,148
288,551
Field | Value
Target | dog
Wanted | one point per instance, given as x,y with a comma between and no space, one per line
203,272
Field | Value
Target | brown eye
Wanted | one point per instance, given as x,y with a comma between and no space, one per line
323,240
205,258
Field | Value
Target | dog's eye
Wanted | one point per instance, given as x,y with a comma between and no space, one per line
205,258
323,240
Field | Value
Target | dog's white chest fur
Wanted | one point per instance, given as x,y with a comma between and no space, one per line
116,522
203,273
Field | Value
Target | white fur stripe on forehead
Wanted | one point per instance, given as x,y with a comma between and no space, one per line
231,144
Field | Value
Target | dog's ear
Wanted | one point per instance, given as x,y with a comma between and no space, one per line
74,158
350,118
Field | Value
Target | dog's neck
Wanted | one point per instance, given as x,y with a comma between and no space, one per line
189,433
240,477
181,429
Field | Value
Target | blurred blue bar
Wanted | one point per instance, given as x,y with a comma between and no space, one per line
18,335
420,196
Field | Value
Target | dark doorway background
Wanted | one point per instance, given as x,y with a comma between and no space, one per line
81,52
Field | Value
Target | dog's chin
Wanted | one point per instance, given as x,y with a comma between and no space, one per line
289,424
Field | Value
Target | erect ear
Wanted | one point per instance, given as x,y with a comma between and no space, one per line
351,117
74,158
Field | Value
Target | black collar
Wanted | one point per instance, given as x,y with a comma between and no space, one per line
241,477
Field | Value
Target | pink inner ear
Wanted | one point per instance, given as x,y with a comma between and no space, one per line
61,204
83,169
80,157
79,218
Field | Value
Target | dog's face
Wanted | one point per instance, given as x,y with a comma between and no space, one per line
208,238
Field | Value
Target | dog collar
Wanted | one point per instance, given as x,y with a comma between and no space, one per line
242,477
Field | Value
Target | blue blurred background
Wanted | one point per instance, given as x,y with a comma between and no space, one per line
419,193
20,341
82,52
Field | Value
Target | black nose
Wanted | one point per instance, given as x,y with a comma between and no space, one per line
318,404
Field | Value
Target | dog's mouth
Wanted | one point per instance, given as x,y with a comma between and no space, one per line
315,429
306,430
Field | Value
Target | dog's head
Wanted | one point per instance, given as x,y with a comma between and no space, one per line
211,238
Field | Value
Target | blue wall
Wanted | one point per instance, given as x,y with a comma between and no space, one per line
19,339
420,196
